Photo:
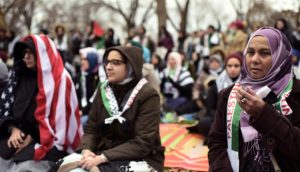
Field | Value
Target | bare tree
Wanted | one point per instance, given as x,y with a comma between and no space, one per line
130,15
72,15
28,12
5,8
183,11
147,13
237,8
256,12
297,13
2,20
161,11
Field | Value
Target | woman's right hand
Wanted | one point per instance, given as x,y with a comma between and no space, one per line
16,138
87,153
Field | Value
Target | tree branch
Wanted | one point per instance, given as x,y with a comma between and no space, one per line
118,10
145,17
178,6
172,23
184,17
236,9
12,4
233,5
134,5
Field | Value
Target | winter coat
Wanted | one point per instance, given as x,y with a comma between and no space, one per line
138,137
280,134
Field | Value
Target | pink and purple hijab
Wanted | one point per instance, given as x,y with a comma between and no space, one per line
280,72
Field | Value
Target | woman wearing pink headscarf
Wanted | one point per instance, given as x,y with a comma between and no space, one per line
256,125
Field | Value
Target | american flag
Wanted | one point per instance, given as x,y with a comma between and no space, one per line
7,97
57,111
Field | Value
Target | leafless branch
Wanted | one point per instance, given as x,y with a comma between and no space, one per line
173,23
118,10
134,5
178,6
146,15
233,5
11,5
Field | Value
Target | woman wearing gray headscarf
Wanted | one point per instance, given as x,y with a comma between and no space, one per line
256,125
3,75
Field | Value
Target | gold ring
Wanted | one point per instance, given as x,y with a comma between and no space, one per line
243,100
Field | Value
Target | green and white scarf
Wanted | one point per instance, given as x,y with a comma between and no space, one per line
233,115
111,104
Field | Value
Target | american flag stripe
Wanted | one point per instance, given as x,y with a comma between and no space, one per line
60,123
57,108
44,98
75,136
68,113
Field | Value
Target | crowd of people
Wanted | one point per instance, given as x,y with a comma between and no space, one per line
103,98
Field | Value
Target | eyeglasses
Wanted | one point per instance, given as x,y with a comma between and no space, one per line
114,62
28,53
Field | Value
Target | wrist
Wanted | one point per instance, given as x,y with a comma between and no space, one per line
10,128
103,158
14,129
83,150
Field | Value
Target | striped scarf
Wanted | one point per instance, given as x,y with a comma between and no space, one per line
57,111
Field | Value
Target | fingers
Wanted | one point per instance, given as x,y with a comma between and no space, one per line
9,143
244,98
249,101
88,153
16,140
241,94
86,163
22,135
251,92
16,143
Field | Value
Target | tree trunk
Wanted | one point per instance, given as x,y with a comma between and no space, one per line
298,17
2,21
129,26
161,11
184,16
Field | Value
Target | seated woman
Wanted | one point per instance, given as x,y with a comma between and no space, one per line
3,75
176,82
233,65
39,117
256,125
87,82
205,80
122,131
